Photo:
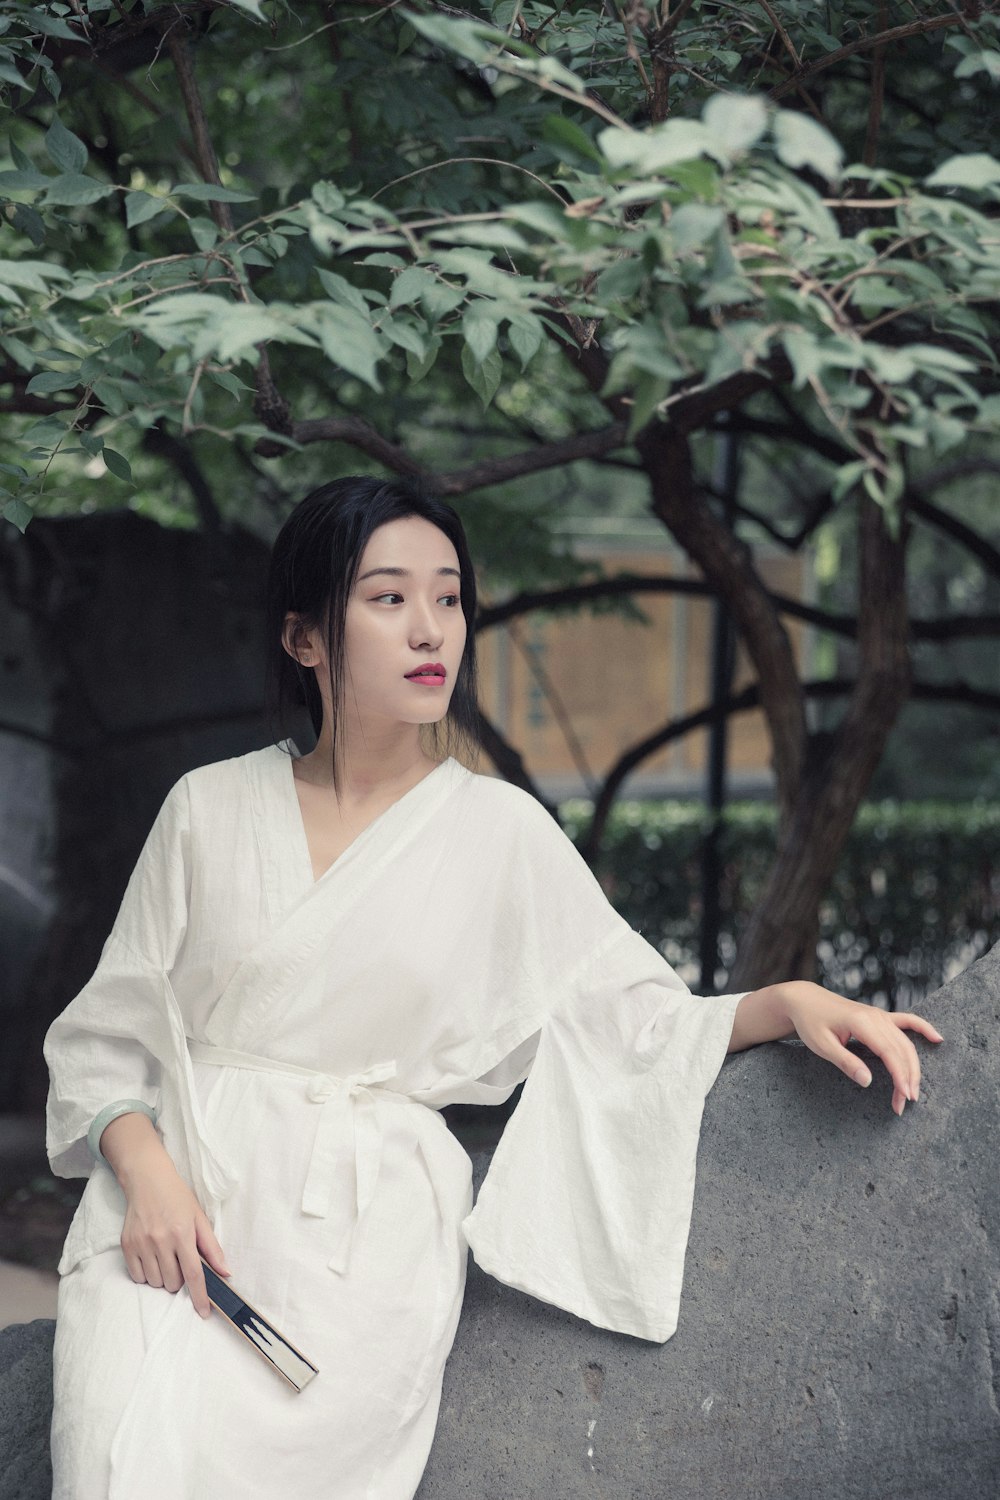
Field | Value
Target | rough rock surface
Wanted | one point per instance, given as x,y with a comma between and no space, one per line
840,1325
839,1333
26,1410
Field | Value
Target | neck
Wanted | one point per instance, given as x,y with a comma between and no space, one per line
371,761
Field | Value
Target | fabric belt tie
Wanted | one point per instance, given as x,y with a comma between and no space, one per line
348,1127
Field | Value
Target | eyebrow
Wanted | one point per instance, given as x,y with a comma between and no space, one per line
405,573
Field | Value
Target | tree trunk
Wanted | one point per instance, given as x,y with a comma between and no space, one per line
818,794
779,942
728,565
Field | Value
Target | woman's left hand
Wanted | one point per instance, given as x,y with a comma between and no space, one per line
826,1021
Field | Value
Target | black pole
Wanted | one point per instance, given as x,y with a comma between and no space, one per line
723,651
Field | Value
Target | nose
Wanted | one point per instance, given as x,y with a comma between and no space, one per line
425,630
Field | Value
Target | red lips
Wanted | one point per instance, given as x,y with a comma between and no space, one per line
429,669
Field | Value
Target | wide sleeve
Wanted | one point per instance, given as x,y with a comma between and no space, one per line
587,1202
108,1042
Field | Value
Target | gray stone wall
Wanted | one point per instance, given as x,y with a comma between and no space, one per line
840,1326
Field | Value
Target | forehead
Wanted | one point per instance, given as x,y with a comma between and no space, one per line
411,543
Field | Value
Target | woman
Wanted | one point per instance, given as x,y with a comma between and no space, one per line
313,955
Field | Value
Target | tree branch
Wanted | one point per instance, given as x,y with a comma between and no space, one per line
744,701
508,761
864,44
951,526
208,162
532,461
877,94
361,434
951,627
158,441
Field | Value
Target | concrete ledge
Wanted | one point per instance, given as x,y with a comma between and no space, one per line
840,1325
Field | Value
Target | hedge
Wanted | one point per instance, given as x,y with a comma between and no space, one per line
916,896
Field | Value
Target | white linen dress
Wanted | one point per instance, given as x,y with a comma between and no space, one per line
297,1038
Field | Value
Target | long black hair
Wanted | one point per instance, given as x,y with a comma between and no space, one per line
314,564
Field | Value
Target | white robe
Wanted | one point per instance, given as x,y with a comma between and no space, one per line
459,945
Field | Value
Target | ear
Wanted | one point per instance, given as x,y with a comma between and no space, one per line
299,640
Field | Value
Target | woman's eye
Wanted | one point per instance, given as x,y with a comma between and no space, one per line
379,597
451,599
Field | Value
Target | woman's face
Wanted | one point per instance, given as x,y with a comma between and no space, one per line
404,613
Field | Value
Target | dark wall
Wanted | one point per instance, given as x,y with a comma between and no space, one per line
129,654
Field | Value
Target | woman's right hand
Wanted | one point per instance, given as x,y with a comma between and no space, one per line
166,1228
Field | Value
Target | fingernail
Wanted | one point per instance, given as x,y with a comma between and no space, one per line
203,1312
916,1093
862,1076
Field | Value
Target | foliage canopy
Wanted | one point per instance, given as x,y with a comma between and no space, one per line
706,187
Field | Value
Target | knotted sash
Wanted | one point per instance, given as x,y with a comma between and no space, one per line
348,1127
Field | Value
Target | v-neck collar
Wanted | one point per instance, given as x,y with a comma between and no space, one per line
290,755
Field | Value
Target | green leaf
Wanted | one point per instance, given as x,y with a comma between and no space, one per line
117,465
32,275
934,357
409,286
11,75
565,135
945,432
417,368
847,477
252,8
525,333
348,340
977,170
648,152
801,141
50,25
140,207
253,255
18,350
341,290
736,121
26,180
692,224
487,46
386,259
229,382
50,381
650,390
479,328
209,192
20,514
30,223
328,197
498,236
205,233
483,375
20,158
622,279
74,189
984,61
406,336
64,148
92,443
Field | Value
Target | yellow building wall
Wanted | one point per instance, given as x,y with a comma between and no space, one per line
572,693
